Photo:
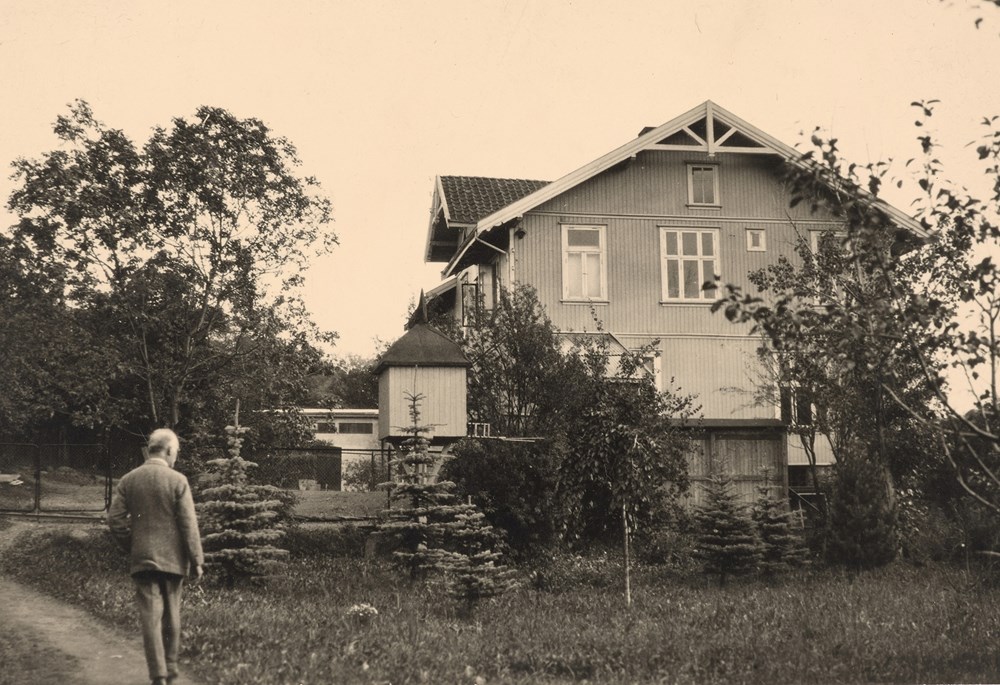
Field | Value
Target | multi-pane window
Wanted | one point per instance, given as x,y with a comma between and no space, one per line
703,184
584,265
689,258
357,428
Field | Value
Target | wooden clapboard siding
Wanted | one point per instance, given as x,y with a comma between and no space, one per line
634,282
722,372
704,352
752,459
443,406
655,183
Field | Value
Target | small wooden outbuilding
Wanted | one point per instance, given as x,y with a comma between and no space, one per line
424,362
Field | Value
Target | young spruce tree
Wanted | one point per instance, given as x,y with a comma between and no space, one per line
782,549
241,522
439,535
863,532
726,543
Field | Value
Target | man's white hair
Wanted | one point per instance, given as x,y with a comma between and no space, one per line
163,440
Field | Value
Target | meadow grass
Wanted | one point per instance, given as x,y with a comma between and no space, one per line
900,624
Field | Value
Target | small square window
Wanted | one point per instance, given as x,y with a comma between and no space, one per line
756,240
703,184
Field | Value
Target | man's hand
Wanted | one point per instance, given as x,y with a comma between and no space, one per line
196,573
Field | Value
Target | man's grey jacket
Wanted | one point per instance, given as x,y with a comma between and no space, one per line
152,516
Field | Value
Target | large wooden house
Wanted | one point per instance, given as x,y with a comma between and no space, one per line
632,236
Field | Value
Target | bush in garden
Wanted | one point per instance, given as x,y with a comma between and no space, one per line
364,475
514,485
862,531
782,549
726,543
242,524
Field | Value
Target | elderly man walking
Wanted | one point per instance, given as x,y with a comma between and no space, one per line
152,516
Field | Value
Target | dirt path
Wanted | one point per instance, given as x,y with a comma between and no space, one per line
104,656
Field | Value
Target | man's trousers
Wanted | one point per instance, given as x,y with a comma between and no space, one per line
159,598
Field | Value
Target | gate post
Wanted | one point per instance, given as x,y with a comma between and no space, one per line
38,479
107,477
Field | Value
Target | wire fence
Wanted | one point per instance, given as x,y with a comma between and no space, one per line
329,482
60,477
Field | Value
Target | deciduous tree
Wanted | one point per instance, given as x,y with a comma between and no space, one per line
180,248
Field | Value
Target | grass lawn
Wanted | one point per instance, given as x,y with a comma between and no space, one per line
320,504
900,624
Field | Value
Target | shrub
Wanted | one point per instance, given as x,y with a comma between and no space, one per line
726,543
438,534
326,540
782,548
927,532
364,475
862,523
242,523
514,484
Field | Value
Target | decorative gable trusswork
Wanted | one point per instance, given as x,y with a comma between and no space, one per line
707,128
712,135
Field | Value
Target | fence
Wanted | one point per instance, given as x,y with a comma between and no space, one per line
55,478
320,468
75,478
330,483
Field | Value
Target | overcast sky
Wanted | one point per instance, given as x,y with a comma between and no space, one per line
379,97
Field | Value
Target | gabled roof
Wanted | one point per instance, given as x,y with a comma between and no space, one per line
467,199
423,345
705,128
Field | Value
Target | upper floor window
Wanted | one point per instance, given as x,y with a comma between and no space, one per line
756,240
689,258
703,184
584,263
830,265
357,428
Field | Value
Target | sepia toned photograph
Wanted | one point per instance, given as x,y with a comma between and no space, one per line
510,342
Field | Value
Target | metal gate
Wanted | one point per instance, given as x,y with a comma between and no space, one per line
54,478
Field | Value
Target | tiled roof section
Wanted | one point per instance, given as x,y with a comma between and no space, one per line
470,198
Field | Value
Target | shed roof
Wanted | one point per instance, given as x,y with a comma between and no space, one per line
423,345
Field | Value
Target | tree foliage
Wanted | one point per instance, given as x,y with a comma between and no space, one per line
927,338
599,434
439,535
726,542
243,524
863,527
182,255
781,548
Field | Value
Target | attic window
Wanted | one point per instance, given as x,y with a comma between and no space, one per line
703,184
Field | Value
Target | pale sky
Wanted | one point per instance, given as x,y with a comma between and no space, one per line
379,97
